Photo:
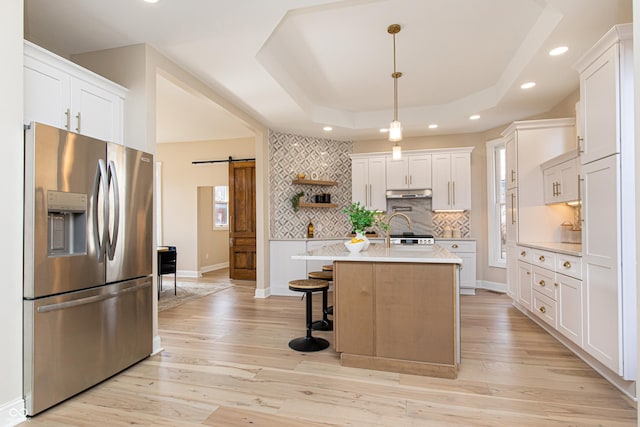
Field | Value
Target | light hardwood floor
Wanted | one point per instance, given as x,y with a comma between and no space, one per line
226,363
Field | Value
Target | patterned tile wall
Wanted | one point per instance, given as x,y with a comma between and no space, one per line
455,220
325,158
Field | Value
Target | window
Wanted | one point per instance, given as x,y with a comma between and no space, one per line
221,207
496,199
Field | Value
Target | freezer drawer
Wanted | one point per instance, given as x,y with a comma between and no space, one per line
74,341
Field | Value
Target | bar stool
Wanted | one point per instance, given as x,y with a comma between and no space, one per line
325,324
328,267
308,343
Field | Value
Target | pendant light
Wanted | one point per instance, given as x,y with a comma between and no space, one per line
395,128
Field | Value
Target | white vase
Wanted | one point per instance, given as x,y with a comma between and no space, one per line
361,235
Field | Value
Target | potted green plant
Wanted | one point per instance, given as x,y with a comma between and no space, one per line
295,200
362,218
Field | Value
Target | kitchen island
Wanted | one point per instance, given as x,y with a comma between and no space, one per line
395,309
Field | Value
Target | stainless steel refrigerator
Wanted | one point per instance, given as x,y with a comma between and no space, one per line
87,262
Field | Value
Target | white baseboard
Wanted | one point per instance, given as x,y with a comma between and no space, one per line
262,293
467,291
492,286
188,273
157,345
213,267
12,413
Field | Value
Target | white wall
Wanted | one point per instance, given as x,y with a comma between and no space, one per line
180,182
11,176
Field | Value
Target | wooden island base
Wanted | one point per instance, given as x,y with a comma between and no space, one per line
398,317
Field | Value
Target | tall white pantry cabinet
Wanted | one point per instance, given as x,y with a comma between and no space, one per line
606,145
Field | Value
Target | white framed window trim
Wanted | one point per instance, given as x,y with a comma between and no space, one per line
496,189
221,207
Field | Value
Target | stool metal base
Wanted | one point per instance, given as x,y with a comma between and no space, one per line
308,344
322,325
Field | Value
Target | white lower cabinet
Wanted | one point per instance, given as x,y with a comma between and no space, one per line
466,250
544,307
550,287
570,308
283,269
524,284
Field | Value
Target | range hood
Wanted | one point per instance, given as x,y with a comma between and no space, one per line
409,194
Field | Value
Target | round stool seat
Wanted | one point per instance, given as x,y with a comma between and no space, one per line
327,267
308,342
322,275
305,285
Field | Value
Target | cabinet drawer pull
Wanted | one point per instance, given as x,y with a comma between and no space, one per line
541,282
523,253
454,246
556,285
566,264
528,273
543,310
541,258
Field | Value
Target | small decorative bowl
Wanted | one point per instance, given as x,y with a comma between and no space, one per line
354,247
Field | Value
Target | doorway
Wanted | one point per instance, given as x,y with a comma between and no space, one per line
242,220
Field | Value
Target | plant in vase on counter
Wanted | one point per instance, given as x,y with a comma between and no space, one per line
362,218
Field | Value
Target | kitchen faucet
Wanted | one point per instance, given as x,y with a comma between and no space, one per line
387,239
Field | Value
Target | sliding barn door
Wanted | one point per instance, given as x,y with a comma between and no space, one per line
242,220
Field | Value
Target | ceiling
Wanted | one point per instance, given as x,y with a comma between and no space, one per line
300,65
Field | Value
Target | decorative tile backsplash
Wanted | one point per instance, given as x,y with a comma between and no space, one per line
319,158
455,220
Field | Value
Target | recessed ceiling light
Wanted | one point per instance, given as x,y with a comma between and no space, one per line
384,130
527,85
474,117
327,128
151,1
433,126
558,50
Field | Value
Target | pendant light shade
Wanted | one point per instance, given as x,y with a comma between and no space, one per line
397,152
395,131
395,128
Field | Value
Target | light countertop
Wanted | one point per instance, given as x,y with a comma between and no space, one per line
378,253
564,248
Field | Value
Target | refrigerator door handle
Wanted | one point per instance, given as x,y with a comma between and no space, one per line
100,180
89,300
113,238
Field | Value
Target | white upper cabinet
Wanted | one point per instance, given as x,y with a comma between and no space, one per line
412,171
560,179
60,93
451,181
368,181
606,94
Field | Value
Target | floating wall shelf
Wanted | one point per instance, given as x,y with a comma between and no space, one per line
317,205
314,182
